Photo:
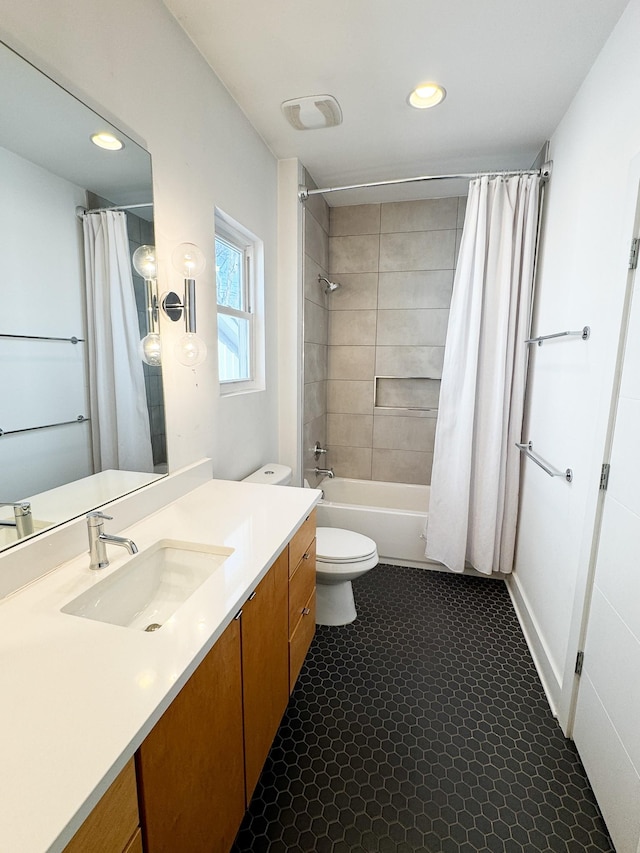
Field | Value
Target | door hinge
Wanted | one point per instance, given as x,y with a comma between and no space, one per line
604,476
633,254
579,663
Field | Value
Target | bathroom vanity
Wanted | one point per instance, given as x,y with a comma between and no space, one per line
178,720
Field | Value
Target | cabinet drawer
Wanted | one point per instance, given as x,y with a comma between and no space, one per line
301,541
113,821
135,845
301,585
301,640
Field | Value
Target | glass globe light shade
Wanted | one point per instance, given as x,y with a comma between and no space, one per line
189,260
144,262
191,350
151,349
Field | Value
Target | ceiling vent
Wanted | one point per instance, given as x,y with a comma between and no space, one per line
312,112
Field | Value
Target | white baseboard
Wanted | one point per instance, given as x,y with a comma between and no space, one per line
547,672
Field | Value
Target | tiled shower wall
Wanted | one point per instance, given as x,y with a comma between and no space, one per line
316,325
395,263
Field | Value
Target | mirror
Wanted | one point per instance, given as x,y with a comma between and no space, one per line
50,171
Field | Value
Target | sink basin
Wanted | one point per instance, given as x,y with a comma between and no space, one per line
8,535
151,586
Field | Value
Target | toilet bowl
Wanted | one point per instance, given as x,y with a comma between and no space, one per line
341,557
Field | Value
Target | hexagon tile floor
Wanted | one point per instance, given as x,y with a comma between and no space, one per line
422,727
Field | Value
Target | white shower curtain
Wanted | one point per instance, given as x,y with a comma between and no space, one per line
119,414
476,466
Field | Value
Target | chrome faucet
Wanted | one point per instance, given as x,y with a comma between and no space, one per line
23,519
98,539
324,472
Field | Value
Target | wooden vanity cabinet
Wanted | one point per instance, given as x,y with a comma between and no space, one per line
190,767
265,667
302,595
112,826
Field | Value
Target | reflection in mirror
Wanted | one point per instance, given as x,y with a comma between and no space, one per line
81,415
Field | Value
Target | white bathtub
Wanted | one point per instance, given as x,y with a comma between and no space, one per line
392,514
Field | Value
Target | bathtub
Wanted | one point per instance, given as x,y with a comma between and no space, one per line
392,514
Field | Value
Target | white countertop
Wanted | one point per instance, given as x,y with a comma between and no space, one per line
79,696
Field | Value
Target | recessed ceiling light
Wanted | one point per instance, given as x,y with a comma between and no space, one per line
426,95
107,140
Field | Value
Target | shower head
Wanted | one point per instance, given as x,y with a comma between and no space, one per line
330,285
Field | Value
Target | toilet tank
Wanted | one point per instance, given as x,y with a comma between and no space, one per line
272,474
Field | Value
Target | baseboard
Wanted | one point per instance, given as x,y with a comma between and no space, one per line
550,678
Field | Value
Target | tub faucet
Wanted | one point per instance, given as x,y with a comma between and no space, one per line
23,519
98,539
324,472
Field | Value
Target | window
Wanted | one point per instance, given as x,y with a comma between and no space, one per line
238,255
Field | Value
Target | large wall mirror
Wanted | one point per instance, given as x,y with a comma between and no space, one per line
61,331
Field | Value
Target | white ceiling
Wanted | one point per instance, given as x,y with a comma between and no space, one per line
510,68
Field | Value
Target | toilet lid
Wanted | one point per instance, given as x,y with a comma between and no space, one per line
335,545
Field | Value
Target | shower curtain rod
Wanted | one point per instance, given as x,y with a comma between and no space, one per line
118,207
544,172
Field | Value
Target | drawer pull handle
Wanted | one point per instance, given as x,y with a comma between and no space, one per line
252,596
305,611
306,556
238,614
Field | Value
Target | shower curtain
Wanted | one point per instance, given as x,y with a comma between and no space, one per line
119,414
476,466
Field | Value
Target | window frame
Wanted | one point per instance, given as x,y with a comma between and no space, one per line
240,239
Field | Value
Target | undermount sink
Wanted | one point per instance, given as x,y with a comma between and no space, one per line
9,535
151,586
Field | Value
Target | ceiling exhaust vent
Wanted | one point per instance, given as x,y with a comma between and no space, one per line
312,112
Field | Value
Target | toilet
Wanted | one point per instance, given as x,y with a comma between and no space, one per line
342,556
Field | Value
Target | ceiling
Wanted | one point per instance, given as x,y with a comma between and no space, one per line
510,68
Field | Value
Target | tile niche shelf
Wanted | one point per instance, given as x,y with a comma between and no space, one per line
406,395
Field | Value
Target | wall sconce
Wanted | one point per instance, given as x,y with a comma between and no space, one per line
190,262
145,264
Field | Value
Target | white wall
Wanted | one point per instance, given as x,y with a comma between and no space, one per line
132,61
43,382
582,281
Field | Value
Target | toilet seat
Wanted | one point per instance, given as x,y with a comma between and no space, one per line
338,546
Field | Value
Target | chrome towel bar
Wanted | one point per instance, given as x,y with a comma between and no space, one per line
527,449
584,333
79,420
72,340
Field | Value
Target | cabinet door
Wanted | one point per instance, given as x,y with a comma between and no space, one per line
113,821
190,767
265,666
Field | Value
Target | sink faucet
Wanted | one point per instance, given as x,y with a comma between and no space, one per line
98,539
23,519
326,472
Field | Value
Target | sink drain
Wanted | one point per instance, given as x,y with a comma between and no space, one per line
153,626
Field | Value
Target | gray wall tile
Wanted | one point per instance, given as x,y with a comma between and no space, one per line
315,363
350,461
352,328
462,209
315,401
350,430
418,250
357,291
315,204
354,254
347,396
316,323
351,362
408,393
315,241
412,328
402,466
313,289
416,289
432,214
354,219
398,433
409,361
